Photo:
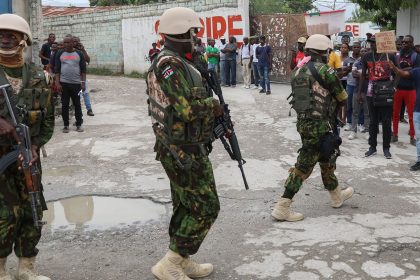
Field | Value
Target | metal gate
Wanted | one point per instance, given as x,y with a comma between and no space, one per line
282,32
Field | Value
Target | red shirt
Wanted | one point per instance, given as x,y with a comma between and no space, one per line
299,56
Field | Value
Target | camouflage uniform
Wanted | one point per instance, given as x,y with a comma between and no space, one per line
30,90
182,116
314,126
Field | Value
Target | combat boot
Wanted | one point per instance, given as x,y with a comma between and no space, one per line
26,270
3,274
338,196
195,270
169,268
282,211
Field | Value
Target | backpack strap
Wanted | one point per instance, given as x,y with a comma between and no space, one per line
316,75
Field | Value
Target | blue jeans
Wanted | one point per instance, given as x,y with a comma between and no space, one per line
230,72
211,66
416,121
350,90
255,72
86,97
265,80
222,72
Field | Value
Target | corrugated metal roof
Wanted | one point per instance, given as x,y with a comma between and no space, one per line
51,11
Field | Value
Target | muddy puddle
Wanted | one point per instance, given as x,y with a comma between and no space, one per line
101,213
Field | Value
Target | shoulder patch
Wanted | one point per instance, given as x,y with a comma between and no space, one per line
167,72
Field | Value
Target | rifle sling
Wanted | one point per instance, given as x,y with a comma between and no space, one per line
318,78
316,75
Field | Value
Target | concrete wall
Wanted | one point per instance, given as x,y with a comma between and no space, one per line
100,33
408,22
31,10
138,34
120,39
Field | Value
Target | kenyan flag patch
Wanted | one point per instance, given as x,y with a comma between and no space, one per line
167,72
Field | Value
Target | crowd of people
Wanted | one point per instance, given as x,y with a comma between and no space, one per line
66,62
255,57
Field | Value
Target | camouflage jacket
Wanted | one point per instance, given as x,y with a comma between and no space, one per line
325,99
29,90
179,104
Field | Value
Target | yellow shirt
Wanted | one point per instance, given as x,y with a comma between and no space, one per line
334,61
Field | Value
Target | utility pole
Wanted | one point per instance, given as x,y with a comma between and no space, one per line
334,5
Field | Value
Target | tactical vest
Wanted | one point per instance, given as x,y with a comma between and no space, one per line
32,99
165,117
309,99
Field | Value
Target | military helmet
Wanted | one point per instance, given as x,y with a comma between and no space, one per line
16,23
178,20
301,40
318,42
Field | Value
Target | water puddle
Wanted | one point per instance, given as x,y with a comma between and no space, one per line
101,213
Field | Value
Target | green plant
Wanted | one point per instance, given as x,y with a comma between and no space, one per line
137,75
101,71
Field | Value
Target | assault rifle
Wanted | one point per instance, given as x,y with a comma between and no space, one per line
224,126
31,172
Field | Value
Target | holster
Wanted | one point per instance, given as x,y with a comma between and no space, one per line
329,147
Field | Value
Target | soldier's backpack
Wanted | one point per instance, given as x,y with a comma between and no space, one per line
304,100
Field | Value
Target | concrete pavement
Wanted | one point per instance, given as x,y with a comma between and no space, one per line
375,235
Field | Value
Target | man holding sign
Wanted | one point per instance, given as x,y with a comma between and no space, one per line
380,90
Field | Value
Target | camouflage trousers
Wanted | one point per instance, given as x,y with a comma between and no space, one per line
16,222
311,132
194,199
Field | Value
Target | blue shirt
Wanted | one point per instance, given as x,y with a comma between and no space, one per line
415,76
262,53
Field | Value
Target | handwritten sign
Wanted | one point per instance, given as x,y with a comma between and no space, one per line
385,42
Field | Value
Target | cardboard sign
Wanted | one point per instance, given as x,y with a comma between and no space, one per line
385,42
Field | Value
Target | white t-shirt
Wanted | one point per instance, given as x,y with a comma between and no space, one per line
254,54
221,46
245,51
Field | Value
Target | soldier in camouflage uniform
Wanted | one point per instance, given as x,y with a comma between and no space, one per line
30,91
317,108
183,115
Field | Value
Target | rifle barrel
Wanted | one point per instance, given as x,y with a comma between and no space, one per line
9,106
243,175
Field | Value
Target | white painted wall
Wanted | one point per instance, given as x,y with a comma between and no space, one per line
138,34
408,22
